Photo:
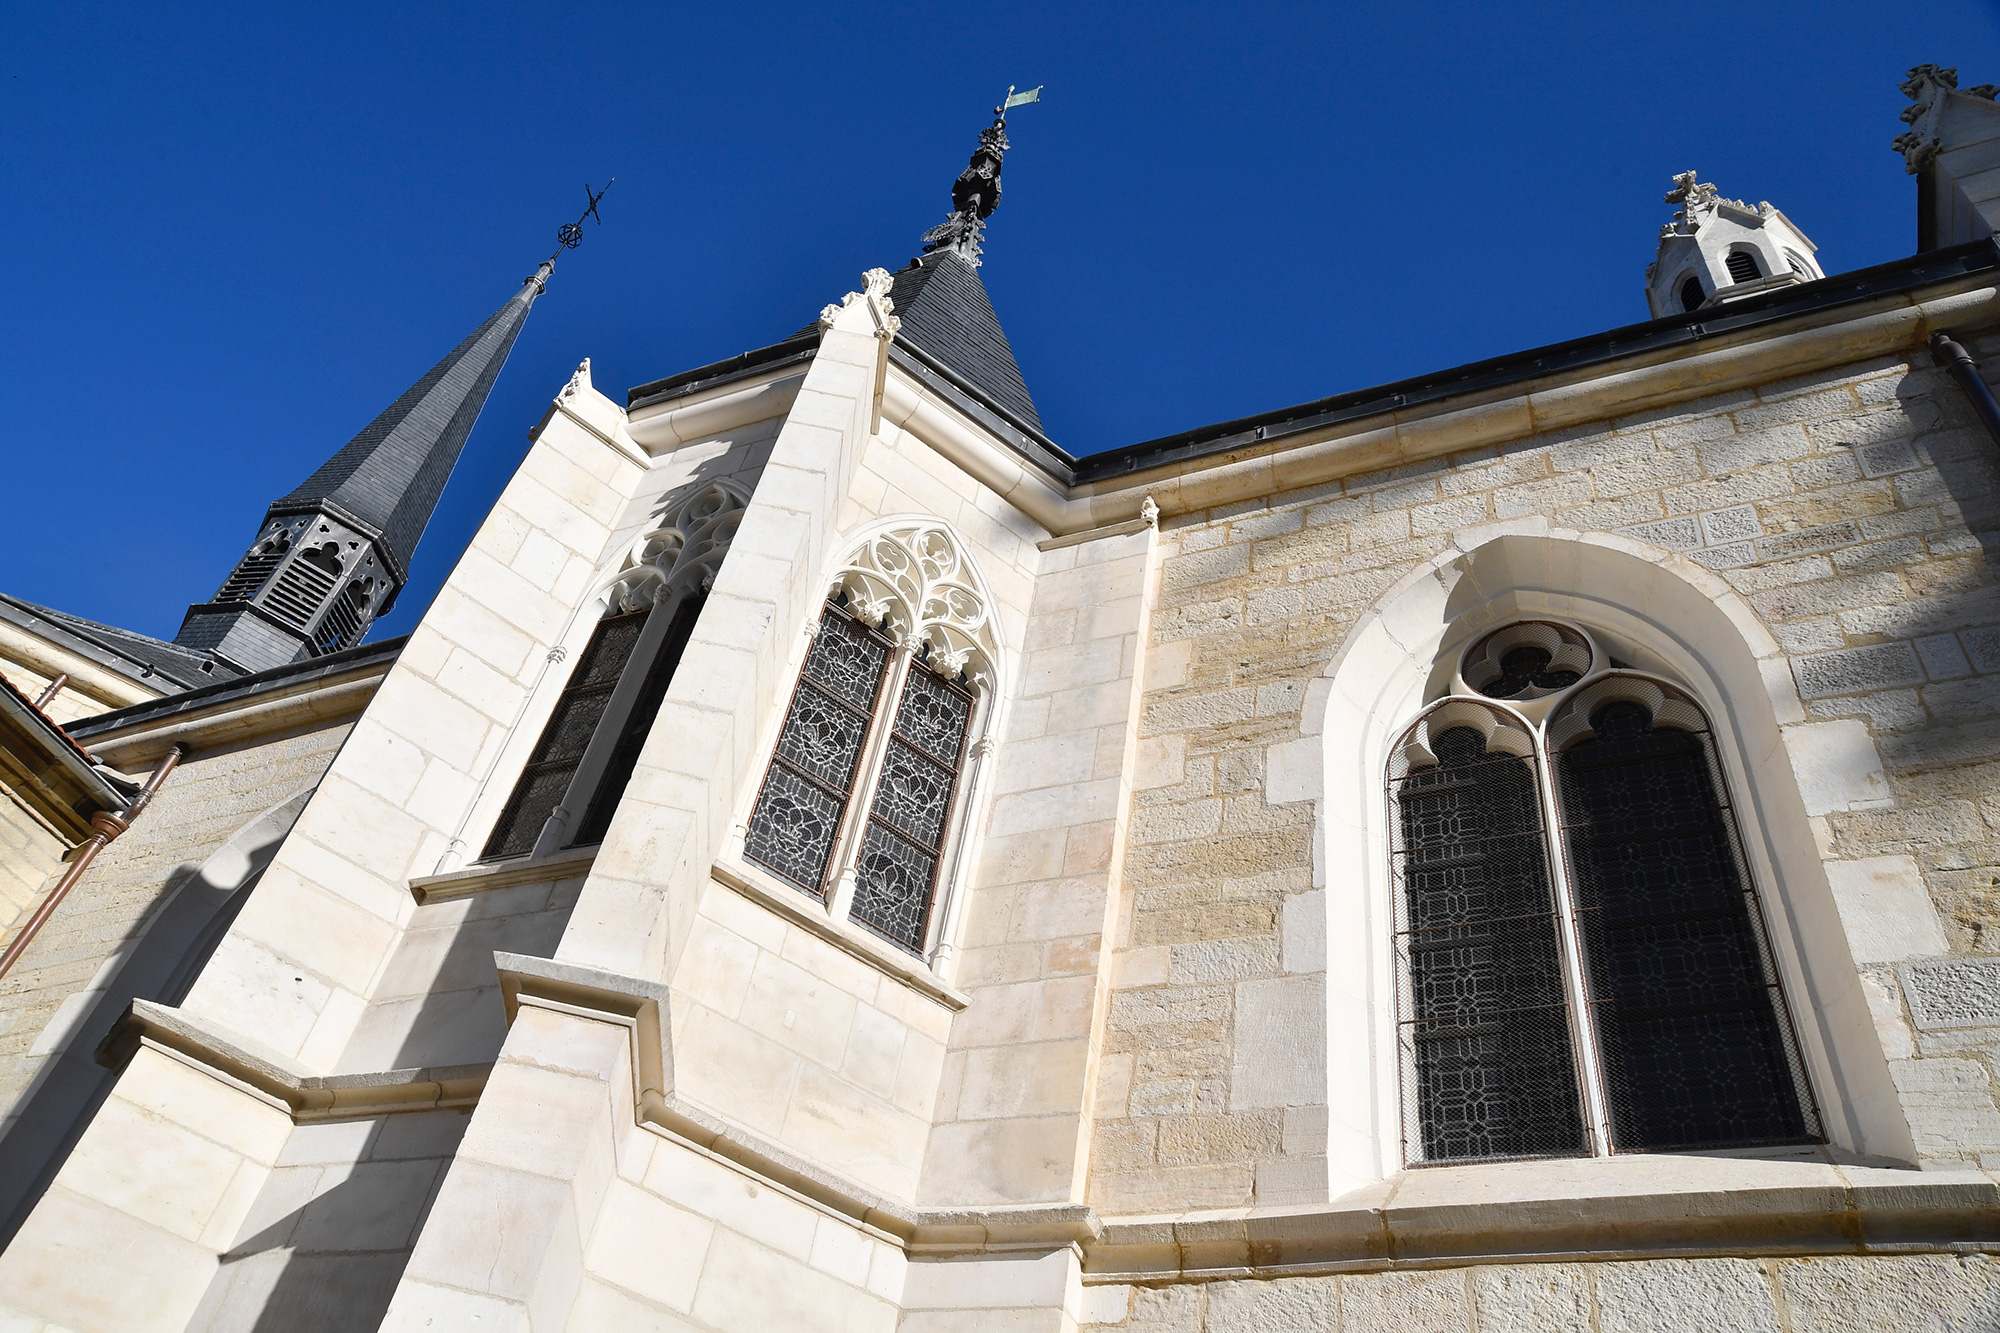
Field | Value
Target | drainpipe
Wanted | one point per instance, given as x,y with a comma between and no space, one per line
54,688
1965,370
107,826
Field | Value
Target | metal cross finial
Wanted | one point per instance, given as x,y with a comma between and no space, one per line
570,234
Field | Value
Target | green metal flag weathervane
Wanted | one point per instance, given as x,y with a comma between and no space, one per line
1015,99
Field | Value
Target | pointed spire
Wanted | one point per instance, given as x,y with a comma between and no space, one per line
334,552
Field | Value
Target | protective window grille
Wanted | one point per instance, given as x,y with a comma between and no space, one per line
1743,266
1483,1021
1692,295
811,779
638,724
896,873
1693,1040
559,750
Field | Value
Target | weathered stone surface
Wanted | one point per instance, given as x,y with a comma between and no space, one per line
1723,1295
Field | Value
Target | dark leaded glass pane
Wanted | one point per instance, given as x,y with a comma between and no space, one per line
892,891
847,660
533,800
1682,987
638,725
1486,1025
793,828
932,715
822,738
913,794
560,748
805,794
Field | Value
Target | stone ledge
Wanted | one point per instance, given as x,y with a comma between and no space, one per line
640,1006
427,889
278,1082
796,908
1616,1208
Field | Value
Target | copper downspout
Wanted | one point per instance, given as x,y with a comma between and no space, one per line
54,687
107,826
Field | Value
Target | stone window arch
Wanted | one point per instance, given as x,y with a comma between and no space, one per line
863,803
575,775
1582,961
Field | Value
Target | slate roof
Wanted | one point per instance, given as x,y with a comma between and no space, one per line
947,317
138,656
390,475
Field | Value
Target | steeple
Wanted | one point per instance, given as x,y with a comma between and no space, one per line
945,312
334,552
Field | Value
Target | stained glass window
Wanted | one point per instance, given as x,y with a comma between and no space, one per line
1682,988
797,816
1650,921
1484,1024
554,760
896,874
638,724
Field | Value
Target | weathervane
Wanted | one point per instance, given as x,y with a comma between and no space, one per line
976,192
570,234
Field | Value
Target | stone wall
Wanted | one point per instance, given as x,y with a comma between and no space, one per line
30,854
1934,1292
1846,509
209,796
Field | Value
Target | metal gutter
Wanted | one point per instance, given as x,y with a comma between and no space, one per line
290,676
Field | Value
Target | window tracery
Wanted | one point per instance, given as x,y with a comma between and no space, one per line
867,779
1582,961
585,756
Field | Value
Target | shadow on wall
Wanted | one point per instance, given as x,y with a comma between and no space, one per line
158,961
332,1228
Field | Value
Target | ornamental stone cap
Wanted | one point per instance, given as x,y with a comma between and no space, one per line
1717,249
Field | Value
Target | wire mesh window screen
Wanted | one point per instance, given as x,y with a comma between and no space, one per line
896,875
797,816
560,749
1483,1022
1692,1036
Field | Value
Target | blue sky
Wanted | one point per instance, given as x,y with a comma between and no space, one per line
236,233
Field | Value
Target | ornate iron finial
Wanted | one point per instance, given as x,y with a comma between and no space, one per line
570,234
976,192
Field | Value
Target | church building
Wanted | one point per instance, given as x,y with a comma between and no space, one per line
1512,849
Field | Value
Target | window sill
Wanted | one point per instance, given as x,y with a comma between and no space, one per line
462,883
1596,1208
795,907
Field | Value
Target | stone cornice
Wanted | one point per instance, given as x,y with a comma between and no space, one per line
501,875
280,1083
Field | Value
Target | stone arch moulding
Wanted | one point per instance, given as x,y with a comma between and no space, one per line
681,552
1682,622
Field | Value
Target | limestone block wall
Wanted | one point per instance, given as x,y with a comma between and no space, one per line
209,797
1847,510
779,1029
1945,1293
30,854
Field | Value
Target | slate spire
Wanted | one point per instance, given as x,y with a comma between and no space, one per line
334,552
943,306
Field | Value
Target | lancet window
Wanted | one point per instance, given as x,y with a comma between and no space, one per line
577,772
861,804
1582,961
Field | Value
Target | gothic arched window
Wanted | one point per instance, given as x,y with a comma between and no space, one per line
578,770
1608,989
859,805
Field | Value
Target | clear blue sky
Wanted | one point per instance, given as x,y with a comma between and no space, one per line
234,234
